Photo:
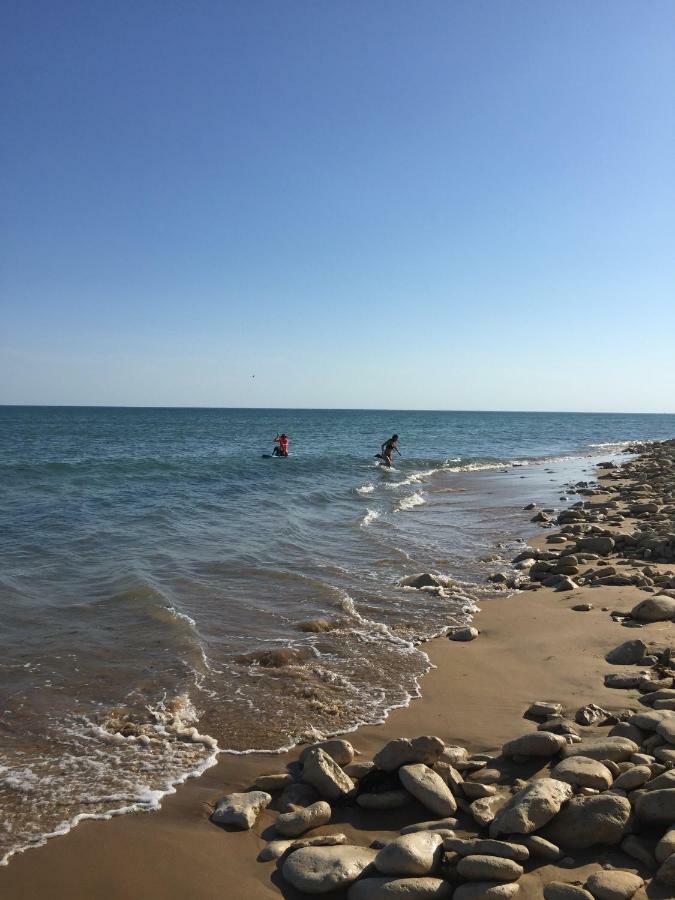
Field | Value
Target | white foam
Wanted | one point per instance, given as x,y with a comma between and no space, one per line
365,488
179,615
410,502
370,516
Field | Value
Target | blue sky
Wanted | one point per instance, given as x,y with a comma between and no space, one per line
456,205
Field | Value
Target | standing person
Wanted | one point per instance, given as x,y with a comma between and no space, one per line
282,448
387,449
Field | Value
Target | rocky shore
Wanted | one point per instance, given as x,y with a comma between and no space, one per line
575,787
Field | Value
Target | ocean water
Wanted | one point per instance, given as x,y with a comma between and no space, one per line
166,592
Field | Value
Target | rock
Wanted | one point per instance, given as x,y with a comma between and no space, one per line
403,888
656,807
544,709
666,728
276,782
400,752
485,809
324,774
613,884
411,854
627,654
425,579
622,680
489,868
539,848
581,771
429,788
535,743
291,824
666,873
453,754
560,890
582,607
618,749
559,725
383,800
433,825
633,778
624,729
295,796
666,846
590,714
318,870
467,633
486,890
657,608
359,770
640,849
661,782
240,810
531,808
566,584
276,849
478,847
586,821
473,790
340,751
600,544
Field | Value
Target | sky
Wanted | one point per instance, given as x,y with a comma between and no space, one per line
465,204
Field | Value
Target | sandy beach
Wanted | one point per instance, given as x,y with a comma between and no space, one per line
532,646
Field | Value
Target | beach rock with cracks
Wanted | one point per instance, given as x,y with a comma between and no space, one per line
291,824
402,751
586,821
318,870
324,774
613,884
531,808
411,854
240,810
582,771
399,889
340,751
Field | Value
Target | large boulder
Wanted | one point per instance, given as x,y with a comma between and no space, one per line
617,749
600,544
582,771
324,774
535,743
318,870
613,884
399,889
240,810
340,751
291,824
656,807
411,854
657,608
489,868
402,751
586,821
531,808
429,788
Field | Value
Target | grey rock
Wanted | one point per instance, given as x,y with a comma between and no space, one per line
358,770
667,729
411,854
276,782
627,654
324,774
656,807
590,714
296,796
399,889
657,608
434,825
276,849
453,754
383,800
517,852
473,790
544,709
402,751
640,849
318,870
613,884
489,868
622,680
466,633
601,544
424,579
535,743
666,846
617,749
429,788
586,821
240,810
486,890
340,751
633,778
581,771
485,809
291,824
666,873
539,848
531,808
560,890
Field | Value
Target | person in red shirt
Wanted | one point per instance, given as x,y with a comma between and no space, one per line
282,448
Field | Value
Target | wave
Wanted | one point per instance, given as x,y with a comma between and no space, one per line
370,516
410,502
365,488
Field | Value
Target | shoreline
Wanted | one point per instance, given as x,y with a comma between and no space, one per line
525,647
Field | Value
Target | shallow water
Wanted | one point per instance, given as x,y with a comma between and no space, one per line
157,576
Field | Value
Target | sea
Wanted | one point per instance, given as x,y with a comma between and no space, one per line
168,594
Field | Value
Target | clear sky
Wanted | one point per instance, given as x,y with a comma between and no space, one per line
463,204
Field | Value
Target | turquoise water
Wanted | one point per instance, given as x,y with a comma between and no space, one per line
163,587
